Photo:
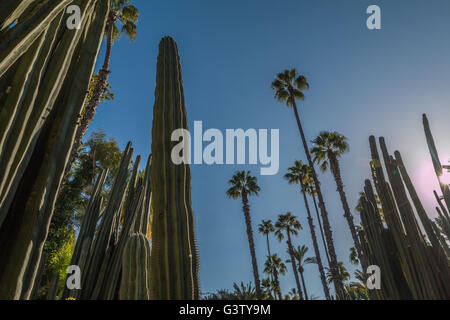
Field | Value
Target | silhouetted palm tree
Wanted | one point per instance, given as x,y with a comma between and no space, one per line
299,254
288,223
274,267
289,87
328,148
266,228
243,184
299,174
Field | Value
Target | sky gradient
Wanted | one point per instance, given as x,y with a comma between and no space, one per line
362,82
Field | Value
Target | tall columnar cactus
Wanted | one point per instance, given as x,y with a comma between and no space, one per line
174,261
45,70
135,284
414,264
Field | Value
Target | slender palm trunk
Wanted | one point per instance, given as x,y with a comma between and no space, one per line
336,171
277,283
97,95
268,245
294,265
304,285
270,255
248,223
337,279
321,229
315,245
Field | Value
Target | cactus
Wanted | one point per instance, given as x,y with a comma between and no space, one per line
11,10
415,264
99,253
53,289
38,124
174,260
15,43
436,161
135,284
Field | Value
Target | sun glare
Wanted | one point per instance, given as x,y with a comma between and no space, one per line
445,177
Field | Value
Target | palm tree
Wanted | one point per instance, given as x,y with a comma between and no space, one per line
342,270
308,182
244,292
288,223
266,228
328,148
122,15
299,174
299,254
267,286
243,184
274,267
289,86
293,294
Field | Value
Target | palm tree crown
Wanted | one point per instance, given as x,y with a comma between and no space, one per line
266,227
289,85
328,144
300,174
274,263
242,182
289,223
127,16
299,254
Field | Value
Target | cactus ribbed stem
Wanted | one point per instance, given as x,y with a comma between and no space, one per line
135,283
27,194
174,266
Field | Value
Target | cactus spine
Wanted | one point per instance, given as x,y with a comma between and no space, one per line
135,284
174,261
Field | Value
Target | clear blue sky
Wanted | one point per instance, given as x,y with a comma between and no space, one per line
362,82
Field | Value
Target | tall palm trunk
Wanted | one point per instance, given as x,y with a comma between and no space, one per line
277,283
337,279
97,95
294,265
321,229
315,245
336,171
304,285
248,223
270,255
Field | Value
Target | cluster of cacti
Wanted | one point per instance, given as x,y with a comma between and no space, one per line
174,261
45,70
402,240
115,260
99,248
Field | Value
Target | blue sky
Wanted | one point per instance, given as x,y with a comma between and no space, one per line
362,82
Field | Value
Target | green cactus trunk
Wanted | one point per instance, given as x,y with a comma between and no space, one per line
40,134
174,262
135,284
